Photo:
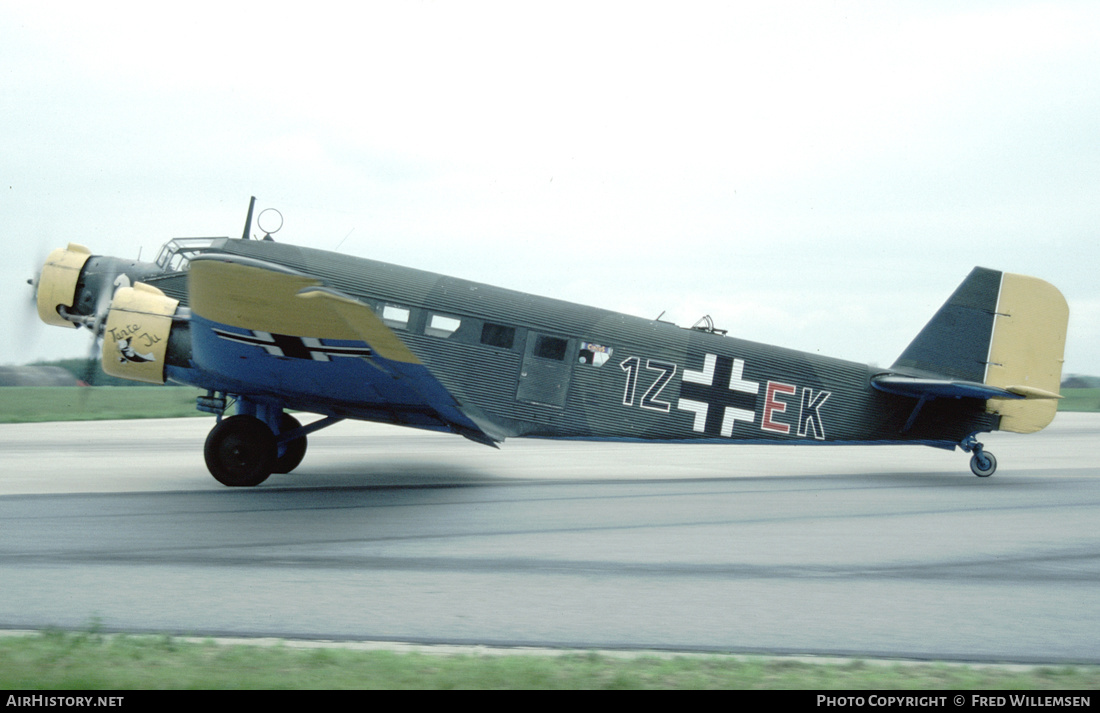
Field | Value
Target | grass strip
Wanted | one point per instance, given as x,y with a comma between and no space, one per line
33,404
1080,400
90,660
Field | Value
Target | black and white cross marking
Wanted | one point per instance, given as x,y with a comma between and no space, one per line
719,395
282,345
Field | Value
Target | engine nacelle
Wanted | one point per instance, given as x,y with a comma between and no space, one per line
135,337
57,283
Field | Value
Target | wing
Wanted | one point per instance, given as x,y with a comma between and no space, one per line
270,332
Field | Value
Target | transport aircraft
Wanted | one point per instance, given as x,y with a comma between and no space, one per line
266,327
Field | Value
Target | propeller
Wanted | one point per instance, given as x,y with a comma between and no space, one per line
29,321
94,281
76,289
31,315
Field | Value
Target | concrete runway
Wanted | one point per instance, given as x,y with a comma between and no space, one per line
399,535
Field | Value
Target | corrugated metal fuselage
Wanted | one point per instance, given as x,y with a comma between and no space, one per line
541,367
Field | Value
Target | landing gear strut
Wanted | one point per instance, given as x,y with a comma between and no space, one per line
982,463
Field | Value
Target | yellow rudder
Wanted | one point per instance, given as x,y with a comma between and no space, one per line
1026,352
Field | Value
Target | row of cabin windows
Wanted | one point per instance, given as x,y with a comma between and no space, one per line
495,335
443,326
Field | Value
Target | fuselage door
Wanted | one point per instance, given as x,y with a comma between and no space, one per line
547,367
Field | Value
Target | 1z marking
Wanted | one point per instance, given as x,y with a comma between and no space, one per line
666,370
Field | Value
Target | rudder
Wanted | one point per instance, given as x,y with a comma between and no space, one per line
1026,352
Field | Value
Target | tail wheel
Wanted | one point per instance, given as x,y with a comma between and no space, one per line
240,451
983,463
295,450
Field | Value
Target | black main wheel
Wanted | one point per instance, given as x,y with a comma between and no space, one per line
295,450
240,451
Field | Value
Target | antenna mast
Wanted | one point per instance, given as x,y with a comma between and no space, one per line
248,219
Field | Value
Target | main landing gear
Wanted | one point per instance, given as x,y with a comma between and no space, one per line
982,463
243,450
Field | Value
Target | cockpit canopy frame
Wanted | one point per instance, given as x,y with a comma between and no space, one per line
176,254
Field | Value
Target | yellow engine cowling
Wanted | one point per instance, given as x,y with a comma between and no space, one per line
57,283
135,337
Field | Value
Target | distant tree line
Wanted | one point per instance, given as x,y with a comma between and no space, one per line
1074,381
84,371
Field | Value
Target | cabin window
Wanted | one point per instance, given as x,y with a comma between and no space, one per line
442,326
551,347
497,335
395,317
594,354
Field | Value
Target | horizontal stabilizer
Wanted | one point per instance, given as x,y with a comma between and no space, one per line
939,388
1030,392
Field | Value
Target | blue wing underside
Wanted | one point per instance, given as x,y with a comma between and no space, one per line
289,342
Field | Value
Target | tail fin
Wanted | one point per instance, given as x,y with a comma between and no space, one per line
1005,331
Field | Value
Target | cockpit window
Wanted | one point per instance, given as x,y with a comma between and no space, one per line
176,254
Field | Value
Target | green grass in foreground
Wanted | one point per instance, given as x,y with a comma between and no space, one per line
26,404
89,660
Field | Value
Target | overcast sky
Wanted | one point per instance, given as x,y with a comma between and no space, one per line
818,175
